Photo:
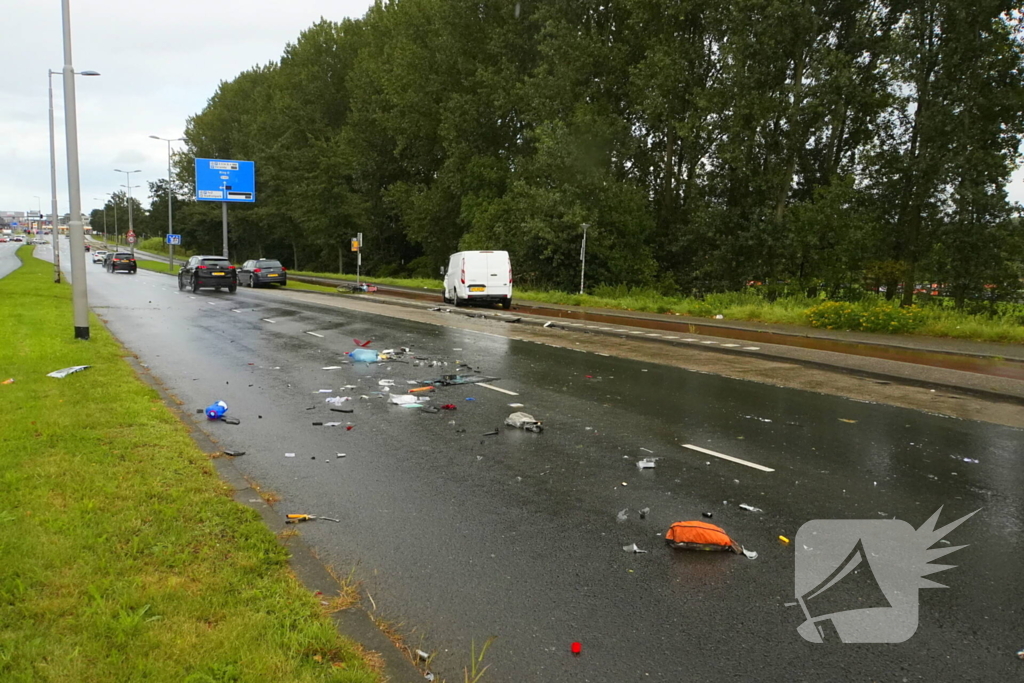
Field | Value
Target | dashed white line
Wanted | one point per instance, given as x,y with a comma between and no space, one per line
652,334
315,334
635,332
236,310
751,348
691,339
212,303
732,346
709,342
494,388
268,320
669,337
728,457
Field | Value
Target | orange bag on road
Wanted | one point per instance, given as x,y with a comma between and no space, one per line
700,536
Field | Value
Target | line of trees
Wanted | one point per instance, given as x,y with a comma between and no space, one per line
707,143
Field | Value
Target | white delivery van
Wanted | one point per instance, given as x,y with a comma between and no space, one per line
479,277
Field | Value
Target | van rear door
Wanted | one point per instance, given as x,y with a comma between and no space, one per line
497,272
474,267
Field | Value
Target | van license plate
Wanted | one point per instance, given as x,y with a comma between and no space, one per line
272,275
476,289
218,273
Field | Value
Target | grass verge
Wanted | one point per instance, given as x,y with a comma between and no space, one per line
123,555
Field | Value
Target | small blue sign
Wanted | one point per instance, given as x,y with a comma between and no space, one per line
222,180
174,239
15,224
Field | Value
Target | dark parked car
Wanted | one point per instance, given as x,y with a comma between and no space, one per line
262,272
121,260
207,271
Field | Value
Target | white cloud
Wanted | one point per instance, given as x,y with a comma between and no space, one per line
160,62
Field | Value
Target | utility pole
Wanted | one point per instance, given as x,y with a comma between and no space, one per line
583,256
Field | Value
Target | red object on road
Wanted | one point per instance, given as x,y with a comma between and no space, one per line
449,406
576,648
364,344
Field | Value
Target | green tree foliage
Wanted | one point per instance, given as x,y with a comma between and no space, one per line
823,144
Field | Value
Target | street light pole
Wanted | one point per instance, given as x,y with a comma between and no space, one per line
131,225
170,214
54,228
76,233
583,256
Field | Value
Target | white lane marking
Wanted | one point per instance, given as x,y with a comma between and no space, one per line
212,303
635,332
709,342
728,457
315,334
751,348
732,346
191,297
236,310
652,334
602,354
494,388
669,337
690,339
268,320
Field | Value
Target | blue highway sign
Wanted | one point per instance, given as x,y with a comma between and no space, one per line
173,239
222,180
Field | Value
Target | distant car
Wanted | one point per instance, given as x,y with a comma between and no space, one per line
5,239
207,271
121,260
258,272
99,256
87,247
17,238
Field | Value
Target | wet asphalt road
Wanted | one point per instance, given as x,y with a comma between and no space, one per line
459,536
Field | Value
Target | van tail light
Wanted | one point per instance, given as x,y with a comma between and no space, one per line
256,270
462,277
283,269
510,274
202,267
231,267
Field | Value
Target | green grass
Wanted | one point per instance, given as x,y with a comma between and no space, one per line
419,283
123,556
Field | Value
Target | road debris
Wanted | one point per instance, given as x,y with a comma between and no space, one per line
332,367
644,512
231,420
215,411
576,648
289,455
707,515
784,540
449,406
386,382
9,380
342,410
696,535
422,655
852,422
750,508
363,355
646,464
337,400
515,405
64,372
632,548
493,432
325,391
295,519
524,421
971,460
233,454
622,516
407,400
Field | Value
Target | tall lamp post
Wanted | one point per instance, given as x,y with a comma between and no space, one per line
54,229
131,225
113,203
583,256
170,212
76,233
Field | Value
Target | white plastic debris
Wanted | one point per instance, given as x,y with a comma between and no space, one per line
646,464
515,405
407,400
972,460
338,400
289,455
622,516
61,374
386,382
331,424
751,555
631,548
523,421
332,367
750,508
325,391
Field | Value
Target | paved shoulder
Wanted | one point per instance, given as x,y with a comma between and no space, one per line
8,258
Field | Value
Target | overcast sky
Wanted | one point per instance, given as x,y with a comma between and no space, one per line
159,62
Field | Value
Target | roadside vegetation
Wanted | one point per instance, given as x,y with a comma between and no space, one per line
123,555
